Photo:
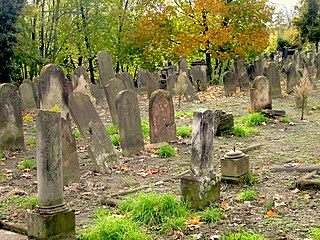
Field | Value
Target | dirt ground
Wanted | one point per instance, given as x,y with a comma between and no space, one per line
295,212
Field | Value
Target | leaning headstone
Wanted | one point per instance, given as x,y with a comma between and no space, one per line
293,77
101,150
260,94
241,74
53,88
105,66
190,94
27,97
229,83
127,80
258,67
273,74
11,126
202,186
51,219
70,162
161,117
112,89
130,130
152,83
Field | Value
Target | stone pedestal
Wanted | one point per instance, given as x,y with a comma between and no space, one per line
200,191
234,166
59,225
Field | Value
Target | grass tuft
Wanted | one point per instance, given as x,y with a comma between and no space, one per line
285,120
241,131
184,131
210,214
244,235
145,129
253,119
315,234
115,139
27,164
248,195
31,142
112,129
166,151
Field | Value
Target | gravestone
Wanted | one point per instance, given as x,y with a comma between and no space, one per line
161,117
260,94
70,163
101,150
183,65
105,66
53,89
152,83
52,219
273,74
250,71
27,97
172,80
241,75
298,59
85,88
11,125
142,78
80,71
258,67
88,122
198,72
35,87
229,83
130,130
202,186
97,92
317,65
293,77
190,94
27,81
127,80
112,89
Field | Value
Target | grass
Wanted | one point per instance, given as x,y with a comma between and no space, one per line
31,142
253,119
1,155
184,113
247,195
244,235
112,129
166,151
20,201
315,234
145,129
115,139
241,131
163,211
77,135
285,120
184,131
210,214
27,164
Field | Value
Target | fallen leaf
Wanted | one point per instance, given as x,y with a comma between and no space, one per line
271,213
15,214
307,196
278,204
285,95
295,190
177,235
283,129
196,220
2,164
224,205
250,110
86,193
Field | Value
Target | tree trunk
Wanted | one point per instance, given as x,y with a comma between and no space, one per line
317,46
209,66
91,70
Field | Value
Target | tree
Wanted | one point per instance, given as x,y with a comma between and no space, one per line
308,21
9,13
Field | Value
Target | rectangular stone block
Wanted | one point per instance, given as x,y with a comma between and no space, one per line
234,167
55,226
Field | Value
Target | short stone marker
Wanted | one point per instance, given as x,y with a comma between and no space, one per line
202,186
152,83
234,166
198,72
70,162
51,219
183,64
105,66
112,89
190,94
131,138
11,125
241,74
27,97
260,94
258,67
127,80
273,74
85,88
229,83
161,117
172,80
293,77
142,78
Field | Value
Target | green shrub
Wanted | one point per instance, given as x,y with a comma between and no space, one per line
315,234
115,138
145,129
248,195
166,151
210,214
112,129
28,164
253,119
241,131
184,131
152,209
285,120
244,235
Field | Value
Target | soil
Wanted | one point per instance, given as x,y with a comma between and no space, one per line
295,212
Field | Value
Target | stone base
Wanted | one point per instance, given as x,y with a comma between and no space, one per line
200,191
235,167
239,179
54,226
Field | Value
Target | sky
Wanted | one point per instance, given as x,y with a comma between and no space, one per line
280,4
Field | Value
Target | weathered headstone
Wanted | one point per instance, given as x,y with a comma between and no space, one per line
241,75
172,80
152,83
80,71
130,130
127,80
112,89
101,150
70,163
317,65
105,66
53,88
273,74
52,219
260,94
202,186
161,117
293,77
143,76
85,88
229,83
11,126
190,94
27,97
258,67
198,72
97,92
183,65
35,87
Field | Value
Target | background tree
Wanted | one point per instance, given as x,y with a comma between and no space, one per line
9,13
308,22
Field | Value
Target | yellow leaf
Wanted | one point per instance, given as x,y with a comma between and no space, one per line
196,220
285,95
55,108
250,110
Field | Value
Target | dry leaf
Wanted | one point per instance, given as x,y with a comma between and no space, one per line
250,110
285,95
307,196
196,220
15,214
177,235
278,204
271,213
295,190
224,205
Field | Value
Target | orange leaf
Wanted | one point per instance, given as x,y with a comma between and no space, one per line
271,213
250,110
224,205
285,95
196,220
